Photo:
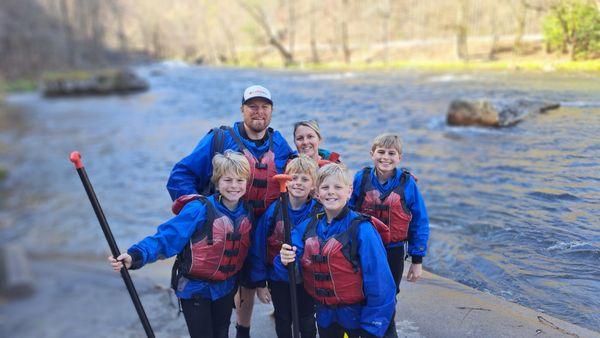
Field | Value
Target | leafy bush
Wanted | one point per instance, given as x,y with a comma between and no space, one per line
573,26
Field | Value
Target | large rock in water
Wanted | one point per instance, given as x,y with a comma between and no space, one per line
121,81
494,113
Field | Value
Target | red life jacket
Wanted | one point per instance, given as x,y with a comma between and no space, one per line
390,208
261,189
218,249
275,232
331,269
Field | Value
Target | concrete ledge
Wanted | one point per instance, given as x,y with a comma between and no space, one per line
79,296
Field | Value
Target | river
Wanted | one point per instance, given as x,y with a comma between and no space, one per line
514,211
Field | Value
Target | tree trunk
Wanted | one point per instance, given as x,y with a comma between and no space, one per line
314,52
385,12
258,14
230,41
344,32
291,27
68,31
520,10
462,51
495,38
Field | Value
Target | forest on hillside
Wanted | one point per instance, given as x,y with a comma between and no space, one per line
40,35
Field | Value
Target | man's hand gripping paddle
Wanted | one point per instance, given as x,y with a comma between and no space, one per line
76,159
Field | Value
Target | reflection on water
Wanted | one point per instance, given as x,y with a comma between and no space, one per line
513,211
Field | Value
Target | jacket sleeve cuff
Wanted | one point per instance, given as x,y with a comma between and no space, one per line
417,259
137,259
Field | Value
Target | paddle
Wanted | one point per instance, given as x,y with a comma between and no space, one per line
283,199
76,159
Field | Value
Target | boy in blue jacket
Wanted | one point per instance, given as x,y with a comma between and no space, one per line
392,195
266,265
266,151
343,263
211,237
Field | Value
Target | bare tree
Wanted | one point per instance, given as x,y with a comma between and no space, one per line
291,27
462,51
520,11
259,15
313,32
344,31
385,11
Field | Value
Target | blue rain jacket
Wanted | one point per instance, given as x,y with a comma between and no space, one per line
192,174
276,272
171,238
418,229
378,285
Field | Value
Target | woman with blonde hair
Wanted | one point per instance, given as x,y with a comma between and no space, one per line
307,137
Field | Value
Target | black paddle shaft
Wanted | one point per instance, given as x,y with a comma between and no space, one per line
113,247
291,267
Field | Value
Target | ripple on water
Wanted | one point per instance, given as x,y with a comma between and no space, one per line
553,196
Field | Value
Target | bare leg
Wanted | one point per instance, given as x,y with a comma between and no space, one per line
244,303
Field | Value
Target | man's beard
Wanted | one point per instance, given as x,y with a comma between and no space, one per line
258,126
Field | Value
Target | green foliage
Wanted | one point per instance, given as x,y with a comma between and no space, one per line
18,85
3,173
573,26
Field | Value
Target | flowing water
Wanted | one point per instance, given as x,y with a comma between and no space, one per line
514,212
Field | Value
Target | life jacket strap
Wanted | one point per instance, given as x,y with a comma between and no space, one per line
324,292
319,276
231,252
234,236
319,258
227,268
258,183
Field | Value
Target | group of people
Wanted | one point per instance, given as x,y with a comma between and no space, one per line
350,237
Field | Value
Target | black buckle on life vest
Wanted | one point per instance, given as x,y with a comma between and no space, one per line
257,204
231,252
324,292
322,276
259,183
226,268
380,207
319,258
234,236
260,165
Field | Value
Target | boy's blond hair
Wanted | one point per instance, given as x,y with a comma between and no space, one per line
229,162
333,169
303,165
388,140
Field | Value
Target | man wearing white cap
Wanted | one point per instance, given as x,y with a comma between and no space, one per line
266,150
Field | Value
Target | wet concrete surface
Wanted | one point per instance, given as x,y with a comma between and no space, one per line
82,297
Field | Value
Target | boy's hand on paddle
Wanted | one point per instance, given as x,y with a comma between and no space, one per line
414,272
117,264
287,254
264,295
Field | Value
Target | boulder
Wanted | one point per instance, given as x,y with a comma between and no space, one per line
490,113
121,81
15,275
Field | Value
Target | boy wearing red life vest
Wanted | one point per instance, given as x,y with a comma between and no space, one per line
391,195
266,264
211,238
342,262
266,151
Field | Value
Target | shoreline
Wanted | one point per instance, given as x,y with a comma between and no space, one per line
78,295
550,66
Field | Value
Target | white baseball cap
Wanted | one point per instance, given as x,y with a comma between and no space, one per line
256,91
